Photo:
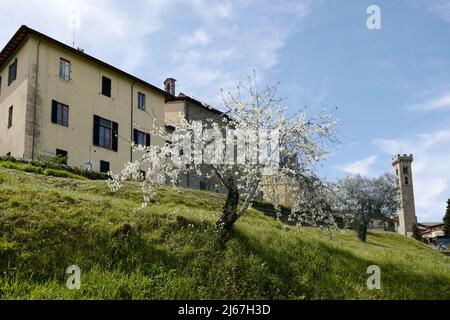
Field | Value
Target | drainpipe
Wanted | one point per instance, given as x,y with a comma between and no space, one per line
186,112
35,100
132,126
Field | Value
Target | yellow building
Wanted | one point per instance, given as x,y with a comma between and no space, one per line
58,100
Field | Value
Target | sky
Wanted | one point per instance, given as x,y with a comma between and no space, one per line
390,87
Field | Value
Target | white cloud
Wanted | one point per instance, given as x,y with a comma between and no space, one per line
441,8
431,170
362,167
105,29
198,38
230,40
435,103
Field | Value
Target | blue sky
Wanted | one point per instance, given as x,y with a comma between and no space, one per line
391,86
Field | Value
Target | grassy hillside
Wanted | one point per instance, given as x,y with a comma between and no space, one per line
48,223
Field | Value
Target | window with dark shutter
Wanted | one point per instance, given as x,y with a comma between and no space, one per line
141,101
104,166
60,114
106,86
106,133
12,72
141,138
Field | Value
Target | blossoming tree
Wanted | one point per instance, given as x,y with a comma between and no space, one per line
253,144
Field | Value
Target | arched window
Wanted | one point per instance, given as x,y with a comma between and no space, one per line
405,170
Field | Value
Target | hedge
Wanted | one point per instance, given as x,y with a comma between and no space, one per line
49,165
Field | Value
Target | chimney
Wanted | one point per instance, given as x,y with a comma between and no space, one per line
169,85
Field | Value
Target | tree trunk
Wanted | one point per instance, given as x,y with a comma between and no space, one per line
362,231
361,227
229,211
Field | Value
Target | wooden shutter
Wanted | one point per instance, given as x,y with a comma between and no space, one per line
54,111
115,136
96,130
15,69
135,136
106,86
9,74
147,140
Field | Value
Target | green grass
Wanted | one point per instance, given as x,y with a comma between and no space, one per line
48,224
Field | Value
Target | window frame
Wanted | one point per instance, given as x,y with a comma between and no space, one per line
60,116
142,100
65,67
12,72
146,138
106,133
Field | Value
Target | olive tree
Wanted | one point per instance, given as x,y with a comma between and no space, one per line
365,199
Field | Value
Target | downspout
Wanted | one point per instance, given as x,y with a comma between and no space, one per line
186,112
35,100
132,126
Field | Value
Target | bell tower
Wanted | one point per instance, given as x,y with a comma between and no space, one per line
407,215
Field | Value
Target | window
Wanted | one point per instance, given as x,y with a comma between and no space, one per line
141,101
203,185
60,113
141,138
106,133
12,72
104,166
64,69
10,117
405,170
406,180
62,156
106,87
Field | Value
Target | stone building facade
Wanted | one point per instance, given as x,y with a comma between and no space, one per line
407,214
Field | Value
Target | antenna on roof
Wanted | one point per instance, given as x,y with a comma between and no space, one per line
75,11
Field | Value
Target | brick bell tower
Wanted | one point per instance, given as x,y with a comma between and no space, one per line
407,215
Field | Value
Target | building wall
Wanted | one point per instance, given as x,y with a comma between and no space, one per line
193,112
12,140
82,93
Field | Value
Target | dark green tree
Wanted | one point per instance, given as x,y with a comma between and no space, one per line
447,220
366,199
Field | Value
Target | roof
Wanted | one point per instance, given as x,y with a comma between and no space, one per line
431,224
24,32
203,105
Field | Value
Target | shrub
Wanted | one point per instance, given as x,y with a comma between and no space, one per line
61,174
17,164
